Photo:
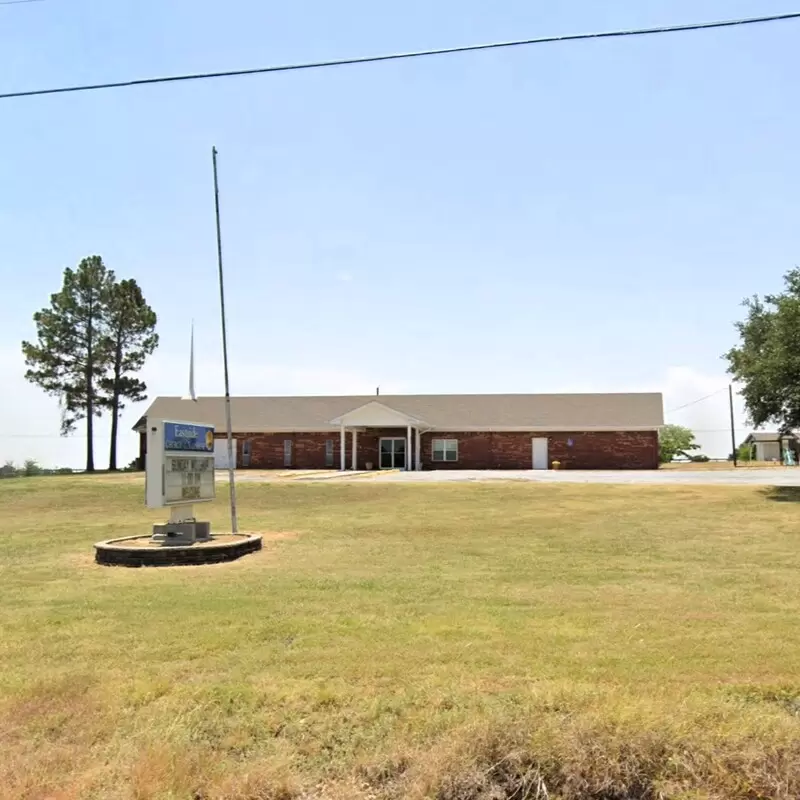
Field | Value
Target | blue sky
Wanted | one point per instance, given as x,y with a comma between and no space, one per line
576,217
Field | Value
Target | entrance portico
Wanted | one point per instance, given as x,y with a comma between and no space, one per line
399,437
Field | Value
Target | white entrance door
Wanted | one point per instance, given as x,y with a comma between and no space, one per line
221,454
540,453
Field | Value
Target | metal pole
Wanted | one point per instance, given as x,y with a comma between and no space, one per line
231,479
733,427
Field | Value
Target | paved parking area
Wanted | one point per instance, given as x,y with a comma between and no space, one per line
747,477
777,476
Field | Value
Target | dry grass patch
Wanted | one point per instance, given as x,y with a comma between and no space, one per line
458,642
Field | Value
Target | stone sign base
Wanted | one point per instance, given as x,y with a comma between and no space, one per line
141,551
180,534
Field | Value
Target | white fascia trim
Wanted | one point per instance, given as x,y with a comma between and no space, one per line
293,429
461,429
547,429
316,429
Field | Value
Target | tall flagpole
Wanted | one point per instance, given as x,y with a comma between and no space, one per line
192,392
231,479
733,428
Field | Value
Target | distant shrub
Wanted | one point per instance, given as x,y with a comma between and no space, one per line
64,471
31,467
133,466
700,459
745,453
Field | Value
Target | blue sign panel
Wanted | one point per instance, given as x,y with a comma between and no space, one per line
185,436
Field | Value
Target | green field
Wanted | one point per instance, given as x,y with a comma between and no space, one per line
392,641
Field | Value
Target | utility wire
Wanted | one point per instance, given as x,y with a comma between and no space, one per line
18,2
717,430
701,26
51,436
699,400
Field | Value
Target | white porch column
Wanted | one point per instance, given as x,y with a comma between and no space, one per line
342,441
355,450
408,449
418,447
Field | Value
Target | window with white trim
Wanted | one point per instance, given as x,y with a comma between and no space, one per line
445,449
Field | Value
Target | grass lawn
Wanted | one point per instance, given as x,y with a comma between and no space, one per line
392,641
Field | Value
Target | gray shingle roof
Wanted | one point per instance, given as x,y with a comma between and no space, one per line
568,412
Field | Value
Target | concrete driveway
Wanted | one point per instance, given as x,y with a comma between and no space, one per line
729,477
777,476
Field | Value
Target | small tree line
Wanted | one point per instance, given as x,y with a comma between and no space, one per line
30,468
91,342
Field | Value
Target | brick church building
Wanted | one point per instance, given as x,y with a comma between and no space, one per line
414,432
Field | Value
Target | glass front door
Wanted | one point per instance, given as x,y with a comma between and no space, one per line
393,453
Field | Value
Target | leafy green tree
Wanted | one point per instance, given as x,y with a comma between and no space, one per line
31,467
767,360
675,440
131,339
71,354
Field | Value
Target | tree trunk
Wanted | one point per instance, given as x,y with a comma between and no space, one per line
89,433
89,394
89,436
112,456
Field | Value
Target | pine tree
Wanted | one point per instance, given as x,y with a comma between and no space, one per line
131,338
71,354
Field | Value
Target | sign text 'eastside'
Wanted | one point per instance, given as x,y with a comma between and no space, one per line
186,437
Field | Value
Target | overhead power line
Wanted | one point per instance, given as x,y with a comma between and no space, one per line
18,2
699,400
699,26
719,430
51,436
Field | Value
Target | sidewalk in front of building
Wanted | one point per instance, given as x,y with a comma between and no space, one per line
732,477
776,476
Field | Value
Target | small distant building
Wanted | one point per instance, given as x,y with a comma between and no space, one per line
769,446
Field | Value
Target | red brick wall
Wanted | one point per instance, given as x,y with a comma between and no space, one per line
588,450
308,449
606,450
266,449
600,450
